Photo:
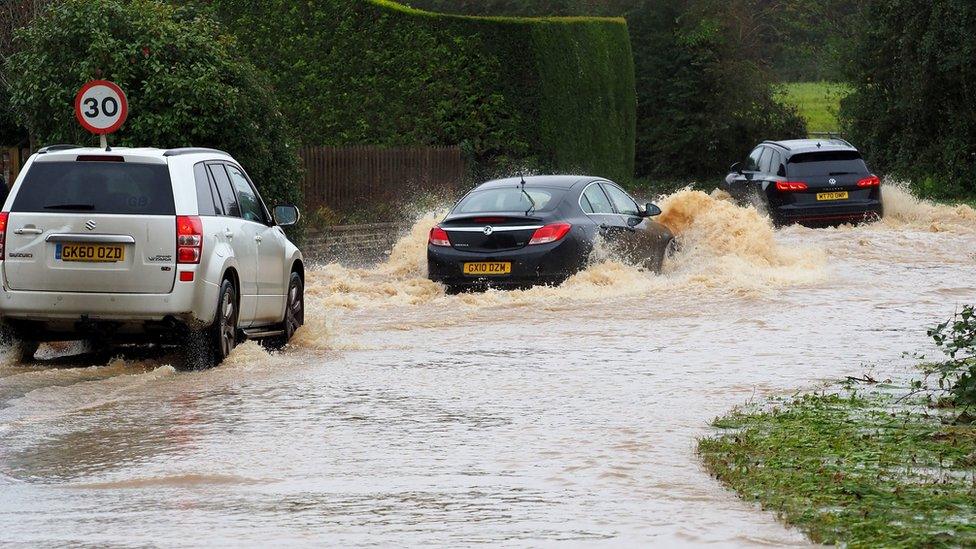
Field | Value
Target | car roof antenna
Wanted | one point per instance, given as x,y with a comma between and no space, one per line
527,195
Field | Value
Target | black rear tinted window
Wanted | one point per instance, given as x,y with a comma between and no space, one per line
826,164
509,199
96,187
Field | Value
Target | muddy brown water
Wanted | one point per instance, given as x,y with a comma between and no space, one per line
402,416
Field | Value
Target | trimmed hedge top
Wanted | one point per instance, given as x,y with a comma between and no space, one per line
541,93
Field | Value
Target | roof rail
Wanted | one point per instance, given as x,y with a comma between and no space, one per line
831,136
776,144
53,148
192,150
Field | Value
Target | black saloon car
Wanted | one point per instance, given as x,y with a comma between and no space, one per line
808,181
521,232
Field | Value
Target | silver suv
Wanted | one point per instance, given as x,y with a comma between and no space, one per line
146,245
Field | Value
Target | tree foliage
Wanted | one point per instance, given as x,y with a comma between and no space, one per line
185,81
914,89
703,102
555,94
704,95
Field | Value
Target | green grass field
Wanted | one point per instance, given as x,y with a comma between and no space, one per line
818,103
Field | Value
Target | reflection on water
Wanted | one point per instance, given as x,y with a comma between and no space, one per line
404,416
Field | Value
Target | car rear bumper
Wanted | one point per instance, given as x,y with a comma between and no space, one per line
192,302
532,265
816,215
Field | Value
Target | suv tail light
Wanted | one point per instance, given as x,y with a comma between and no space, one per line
872,181
438,237
3,234
791,186
550,233
189,239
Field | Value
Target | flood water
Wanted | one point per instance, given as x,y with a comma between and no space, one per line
402,416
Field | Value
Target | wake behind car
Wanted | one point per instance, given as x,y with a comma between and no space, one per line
808,181
133,245
521,232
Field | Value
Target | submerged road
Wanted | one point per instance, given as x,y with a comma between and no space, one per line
405,417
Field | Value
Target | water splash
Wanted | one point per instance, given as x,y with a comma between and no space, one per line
904,210
722,246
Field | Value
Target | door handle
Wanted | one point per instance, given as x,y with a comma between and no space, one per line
29,230
229,234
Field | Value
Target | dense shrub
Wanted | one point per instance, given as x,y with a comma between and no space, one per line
957,339
548,93
800,40
185,82
703,101
704,94
914,89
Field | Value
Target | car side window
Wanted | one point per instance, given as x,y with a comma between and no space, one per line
226,191
251,208
599,203
206,205
779,167
752,163
624,203
766,161
585,204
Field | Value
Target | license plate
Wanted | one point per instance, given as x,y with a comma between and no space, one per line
90,253
840,195
488,268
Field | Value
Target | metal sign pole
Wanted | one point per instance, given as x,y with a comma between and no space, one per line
103,141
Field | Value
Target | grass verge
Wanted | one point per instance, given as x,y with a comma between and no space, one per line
817,102
858,469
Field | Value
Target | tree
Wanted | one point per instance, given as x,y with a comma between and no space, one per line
14,14
186,83
703,99
703,84
914,83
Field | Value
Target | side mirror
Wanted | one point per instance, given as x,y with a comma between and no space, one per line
286,215
651,210
736,168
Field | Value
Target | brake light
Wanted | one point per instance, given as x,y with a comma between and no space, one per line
3,234
550,233
189,239
438,237
873,181
791,186
99,158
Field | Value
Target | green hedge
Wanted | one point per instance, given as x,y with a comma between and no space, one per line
548,93
914,77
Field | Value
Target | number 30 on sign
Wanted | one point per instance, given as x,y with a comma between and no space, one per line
101,107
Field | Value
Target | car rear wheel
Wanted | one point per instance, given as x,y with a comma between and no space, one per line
209,347
294,314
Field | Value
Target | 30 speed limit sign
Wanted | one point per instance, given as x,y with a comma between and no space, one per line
101,107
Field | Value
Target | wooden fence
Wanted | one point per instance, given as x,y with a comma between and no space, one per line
359,178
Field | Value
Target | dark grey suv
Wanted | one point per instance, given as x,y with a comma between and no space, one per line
808,181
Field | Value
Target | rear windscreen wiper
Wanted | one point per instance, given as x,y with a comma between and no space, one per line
527,195
69,207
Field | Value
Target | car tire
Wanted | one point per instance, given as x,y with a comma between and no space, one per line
209,347
294,314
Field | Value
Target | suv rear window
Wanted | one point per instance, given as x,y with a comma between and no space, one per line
96,187
509,199
826,163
